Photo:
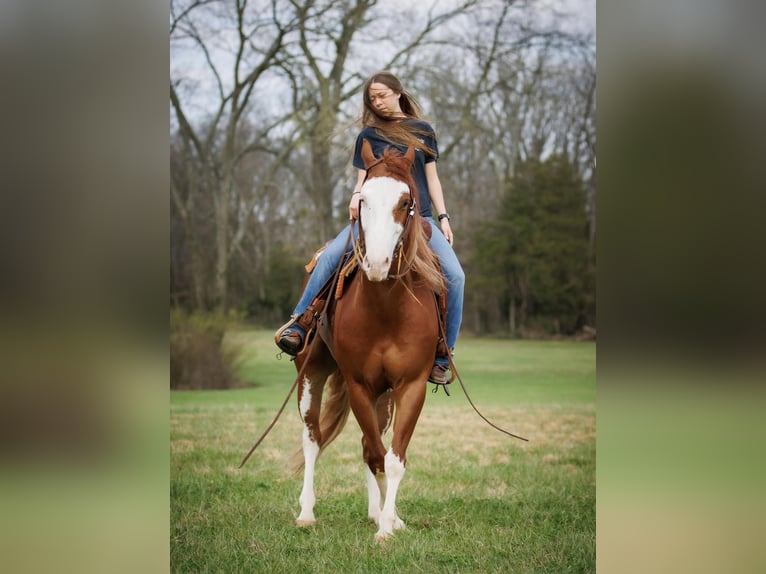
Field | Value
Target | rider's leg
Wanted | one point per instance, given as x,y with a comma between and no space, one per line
326,265
455,284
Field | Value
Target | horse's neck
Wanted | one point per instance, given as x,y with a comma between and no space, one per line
389,294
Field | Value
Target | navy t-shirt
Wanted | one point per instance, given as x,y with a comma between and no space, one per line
379,145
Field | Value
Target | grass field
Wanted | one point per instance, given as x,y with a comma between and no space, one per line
473,499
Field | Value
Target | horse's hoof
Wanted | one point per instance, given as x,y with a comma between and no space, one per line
399,524
304,523
381,537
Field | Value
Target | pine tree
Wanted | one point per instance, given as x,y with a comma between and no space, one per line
534,256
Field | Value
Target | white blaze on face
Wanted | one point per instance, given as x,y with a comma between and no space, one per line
380,199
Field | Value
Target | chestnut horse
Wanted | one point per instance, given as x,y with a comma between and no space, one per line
384,336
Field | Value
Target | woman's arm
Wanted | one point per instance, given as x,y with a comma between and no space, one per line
353,204
437,199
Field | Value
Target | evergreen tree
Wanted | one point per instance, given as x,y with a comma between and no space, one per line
533,258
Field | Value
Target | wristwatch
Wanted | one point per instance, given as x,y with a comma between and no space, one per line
444,216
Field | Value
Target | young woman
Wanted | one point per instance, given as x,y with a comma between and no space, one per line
392,118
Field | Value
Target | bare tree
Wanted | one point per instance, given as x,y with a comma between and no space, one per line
257,37
261,108
323,80
510,90
304,45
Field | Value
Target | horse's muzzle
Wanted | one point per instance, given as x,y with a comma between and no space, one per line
376,270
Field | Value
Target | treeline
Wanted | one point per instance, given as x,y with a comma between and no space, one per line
264,97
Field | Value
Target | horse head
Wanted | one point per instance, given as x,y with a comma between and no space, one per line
387,203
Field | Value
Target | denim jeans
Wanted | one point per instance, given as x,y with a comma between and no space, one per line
455,280
453,273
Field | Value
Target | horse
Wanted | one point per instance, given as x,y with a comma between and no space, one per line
384,337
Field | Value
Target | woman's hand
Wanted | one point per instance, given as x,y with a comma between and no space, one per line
353,206
447,230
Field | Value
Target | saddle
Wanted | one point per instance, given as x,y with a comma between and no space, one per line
318,315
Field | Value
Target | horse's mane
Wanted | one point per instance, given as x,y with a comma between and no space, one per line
393,163
421,257
418,256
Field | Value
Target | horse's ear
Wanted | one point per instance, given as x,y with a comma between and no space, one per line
410,155
367,156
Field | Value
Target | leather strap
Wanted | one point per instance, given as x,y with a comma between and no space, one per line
456,375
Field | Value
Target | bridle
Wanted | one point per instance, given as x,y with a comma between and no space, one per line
359,244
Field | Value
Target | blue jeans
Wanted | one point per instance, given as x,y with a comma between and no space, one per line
453,273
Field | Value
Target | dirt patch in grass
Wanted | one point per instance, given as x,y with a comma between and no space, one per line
544,427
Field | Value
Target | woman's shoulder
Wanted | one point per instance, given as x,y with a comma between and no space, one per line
367,133
420,125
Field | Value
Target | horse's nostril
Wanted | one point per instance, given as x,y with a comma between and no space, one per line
388,260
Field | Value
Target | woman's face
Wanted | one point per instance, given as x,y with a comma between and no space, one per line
384,99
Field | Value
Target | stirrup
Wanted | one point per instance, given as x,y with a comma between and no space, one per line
278,337
438,386
441,381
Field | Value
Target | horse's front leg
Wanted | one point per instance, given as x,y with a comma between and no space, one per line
376,483
376,495
409,402
365,408
389,520
375,486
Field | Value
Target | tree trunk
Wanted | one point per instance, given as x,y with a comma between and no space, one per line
512,317
321,189
222,243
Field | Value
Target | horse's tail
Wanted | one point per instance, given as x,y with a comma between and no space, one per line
334,415
334,410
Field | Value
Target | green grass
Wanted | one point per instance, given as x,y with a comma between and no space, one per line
473,499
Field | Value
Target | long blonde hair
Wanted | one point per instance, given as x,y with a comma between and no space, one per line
393,129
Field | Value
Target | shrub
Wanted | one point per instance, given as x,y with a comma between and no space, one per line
198,357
